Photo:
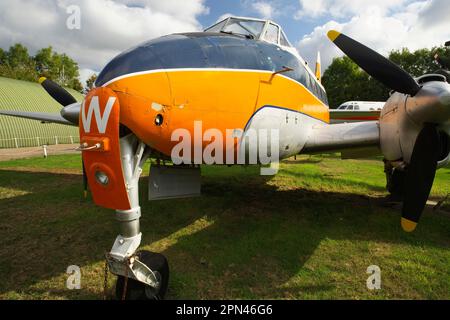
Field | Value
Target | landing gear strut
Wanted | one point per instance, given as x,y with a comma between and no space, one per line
395,181
141,275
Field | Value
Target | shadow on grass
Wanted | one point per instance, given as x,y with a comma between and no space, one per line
334,178
303,160
257,239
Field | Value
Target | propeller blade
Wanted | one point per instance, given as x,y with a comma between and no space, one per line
377,66
62,96
420,176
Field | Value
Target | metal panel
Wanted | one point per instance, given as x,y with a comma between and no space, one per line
340,137
168,182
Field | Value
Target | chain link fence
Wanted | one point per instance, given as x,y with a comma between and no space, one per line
37,141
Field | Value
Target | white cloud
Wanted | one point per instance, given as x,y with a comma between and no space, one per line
342,8
264,9
107,27
415,26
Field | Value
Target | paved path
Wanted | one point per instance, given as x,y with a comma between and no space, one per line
20,153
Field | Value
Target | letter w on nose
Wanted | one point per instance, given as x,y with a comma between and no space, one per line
94,110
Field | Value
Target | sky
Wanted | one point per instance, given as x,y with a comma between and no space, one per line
108,27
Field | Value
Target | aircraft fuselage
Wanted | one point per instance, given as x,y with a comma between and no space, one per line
224,81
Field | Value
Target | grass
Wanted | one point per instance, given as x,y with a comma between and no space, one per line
308,233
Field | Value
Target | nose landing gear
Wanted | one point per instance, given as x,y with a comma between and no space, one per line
143,274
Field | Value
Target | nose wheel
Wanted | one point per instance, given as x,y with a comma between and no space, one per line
130,289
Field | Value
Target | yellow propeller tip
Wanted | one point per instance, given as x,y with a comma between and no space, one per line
408,225
85,194
333,34
42,79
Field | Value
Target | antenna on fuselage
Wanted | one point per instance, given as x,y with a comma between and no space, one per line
318,68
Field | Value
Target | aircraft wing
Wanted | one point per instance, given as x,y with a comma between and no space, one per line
353,140
44,117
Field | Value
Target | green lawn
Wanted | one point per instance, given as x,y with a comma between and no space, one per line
308,233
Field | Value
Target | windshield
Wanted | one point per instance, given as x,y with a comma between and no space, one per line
248,28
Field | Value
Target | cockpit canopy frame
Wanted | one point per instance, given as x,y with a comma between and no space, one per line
258,29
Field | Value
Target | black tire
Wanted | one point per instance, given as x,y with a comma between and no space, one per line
139,291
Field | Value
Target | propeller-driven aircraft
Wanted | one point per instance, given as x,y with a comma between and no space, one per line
239,75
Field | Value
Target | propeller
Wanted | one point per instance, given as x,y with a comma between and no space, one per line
64,98
377,66
422,168
61,95
420,176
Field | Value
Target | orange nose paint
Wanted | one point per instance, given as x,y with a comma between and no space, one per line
99,137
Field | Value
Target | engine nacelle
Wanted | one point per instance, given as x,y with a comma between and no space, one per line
403,117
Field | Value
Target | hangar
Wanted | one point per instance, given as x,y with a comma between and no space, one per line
29,96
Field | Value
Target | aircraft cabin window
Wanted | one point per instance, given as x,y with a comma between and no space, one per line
315,88
283,40
217,27
350,108
249,28
356,107
272,33
309,84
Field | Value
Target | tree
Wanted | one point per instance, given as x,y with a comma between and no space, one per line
345,81
416,63
18,56
58,67
67,72
90,83
18,64
3,56
44,62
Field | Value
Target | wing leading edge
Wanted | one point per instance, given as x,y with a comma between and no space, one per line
44,117
353,140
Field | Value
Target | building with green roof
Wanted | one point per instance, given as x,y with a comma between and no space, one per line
15,132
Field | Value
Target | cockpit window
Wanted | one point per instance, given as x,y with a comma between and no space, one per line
217,27
283,40
272,33
248,28
244,27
